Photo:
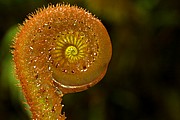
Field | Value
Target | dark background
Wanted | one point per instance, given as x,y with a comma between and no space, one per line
143,79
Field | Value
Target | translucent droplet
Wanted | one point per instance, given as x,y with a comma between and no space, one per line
49,58
85,70
31,48
64,70
88,64
49,68
39,30
75,23
38,85
95,54
73,71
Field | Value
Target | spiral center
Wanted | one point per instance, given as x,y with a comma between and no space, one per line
71,51
74,51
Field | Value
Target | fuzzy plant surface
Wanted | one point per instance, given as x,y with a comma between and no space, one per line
58,50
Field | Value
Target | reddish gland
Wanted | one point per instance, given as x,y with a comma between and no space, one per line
58,50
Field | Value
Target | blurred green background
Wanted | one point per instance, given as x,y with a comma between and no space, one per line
143,79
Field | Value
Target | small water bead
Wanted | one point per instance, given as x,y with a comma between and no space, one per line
95,54
64,70
49,57
39,30
49,68
31,47
75,23
38,85
45,24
